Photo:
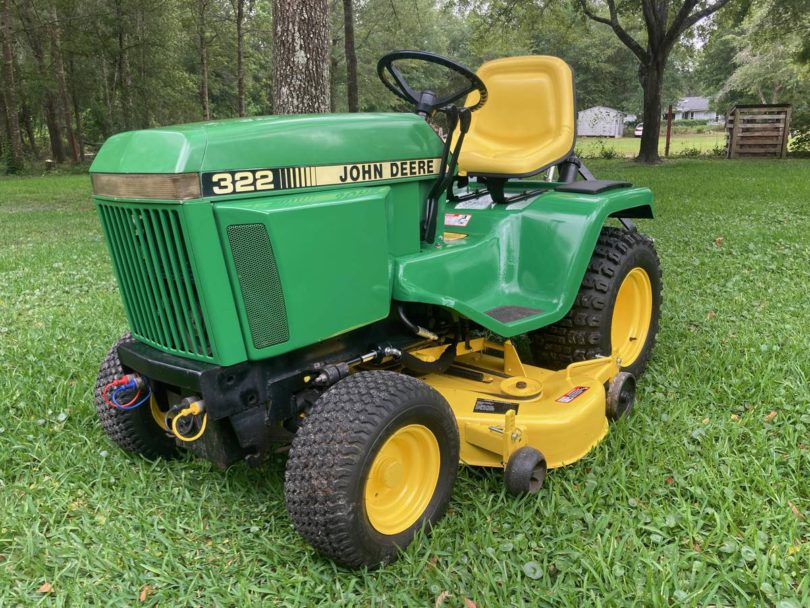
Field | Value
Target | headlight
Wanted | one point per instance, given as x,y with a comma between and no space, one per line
167,186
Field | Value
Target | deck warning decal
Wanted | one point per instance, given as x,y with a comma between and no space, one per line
572,394
488,406
457,219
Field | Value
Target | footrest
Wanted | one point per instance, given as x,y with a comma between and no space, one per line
592,186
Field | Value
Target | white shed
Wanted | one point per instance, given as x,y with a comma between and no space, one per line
600,121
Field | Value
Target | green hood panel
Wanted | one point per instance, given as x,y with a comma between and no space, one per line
269,141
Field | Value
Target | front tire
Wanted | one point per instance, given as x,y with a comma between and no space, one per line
136,430
373,463
616,311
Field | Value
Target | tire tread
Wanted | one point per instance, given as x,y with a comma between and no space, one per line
132,430
326,448
579,336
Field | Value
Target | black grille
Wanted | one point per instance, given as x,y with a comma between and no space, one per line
155,275
259,283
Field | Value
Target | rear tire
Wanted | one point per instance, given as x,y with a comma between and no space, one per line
135,430
373,463
624,268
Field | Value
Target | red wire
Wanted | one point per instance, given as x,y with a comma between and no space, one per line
104,395
134,399
110,403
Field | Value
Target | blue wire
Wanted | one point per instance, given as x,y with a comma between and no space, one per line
114,398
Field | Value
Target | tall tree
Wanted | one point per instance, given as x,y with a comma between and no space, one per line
240,7
351,55
665,22
201,10
35,32
300,56
122,85
61,80
15,157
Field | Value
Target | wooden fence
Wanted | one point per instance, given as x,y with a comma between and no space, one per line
758,131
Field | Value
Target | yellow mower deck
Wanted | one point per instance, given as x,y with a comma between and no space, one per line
501,404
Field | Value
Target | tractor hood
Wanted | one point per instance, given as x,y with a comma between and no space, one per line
270,141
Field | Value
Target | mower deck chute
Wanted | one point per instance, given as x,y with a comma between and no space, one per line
502,404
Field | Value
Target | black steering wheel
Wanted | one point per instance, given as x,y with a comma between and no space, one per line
427,102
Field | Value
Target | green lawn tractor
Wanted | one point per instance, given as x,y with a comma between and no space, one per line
380,302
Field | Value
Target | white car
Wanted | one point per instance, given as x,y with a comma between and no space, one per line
639,129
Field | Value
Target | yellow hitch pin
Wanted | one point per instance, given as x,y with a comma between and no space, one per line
194,409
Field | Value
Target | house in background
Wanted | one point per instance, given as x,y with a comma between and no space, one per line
600,121
695,108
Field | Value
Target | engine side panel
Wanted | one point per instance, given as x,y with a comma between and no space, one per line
316,266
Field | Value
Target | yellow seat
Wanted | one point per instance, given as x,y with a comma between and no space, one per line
528,122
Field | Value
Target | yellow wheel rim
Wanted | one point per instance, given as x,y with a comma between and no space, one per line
158,414
632,314
402,479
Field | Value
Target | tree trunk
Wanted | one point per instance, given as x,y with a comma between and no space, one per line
28,127
204,94
202,47
15,156
300,56
333,64
652,82
54,132
123,76
351,55
77,114
61,80
4,130
240,54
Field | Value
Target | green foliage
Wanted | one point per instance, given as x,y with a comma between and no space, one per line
138,63
605,71
690,153
696,499
755,55
605,151
800,143
689,122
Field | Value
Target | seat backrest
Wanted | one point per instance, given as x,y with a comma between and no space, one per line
528,122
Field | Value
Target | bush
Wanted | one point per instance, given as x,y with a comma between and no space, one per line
800,143
689,122
690,152
607,153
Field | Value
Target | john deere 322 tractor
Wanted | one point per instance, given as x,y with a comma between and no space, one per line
383,303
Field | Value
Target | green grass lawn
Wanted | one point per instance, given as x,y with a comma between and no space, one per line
700,498
591,147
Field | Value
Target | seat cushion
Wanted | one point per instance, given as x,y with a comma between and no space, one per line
528,122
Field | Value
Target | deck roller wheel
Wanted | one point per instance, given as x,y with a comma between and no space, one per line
620,396
525,471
